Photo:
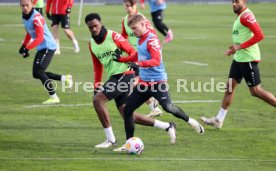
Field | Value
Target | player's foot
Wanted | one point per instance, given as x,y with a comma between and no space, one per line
57,52
106,144
172,132
155,112
51,101
196,126
69,81
169,37
212,121
121,149
76,47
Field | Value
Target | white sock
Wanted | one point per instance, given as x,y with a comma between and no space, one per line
109,134
191,121
58,47
161,125
221,114
75,41
63,77
54,96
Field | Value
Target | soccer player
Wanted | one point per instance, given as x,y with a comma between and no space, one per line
60,13
246,34
153,77
157,8
45,44
127,33
38,5
102,46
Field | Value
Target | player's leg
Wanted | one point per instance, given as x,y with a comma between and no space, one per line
161,94
253,80
235,77
41,62
107,93
154,109
65,24
55,31
157,18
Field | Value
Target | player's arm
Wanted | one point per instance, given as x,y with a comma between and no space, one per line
26,39
34,2
39,32
124,45
48,6
98,68
249,21
124,33
154,48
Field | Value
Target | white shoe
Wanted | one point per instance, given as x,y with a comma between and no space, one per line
196,126
51,101
121,149
172,132
57,52
155,112
106,144
212,121
69,81
76,47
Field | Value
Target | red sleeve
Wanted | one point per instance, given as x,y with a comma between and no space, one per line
249,21
71,3
149,27
39,32
48,6
131,58
123,44
142,1
124,33
26,39
34,2
98,68
154,48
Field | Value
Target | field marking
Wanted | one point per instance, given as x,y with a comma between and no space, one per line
139,158
58,105
66,47
12,25
195,63
196,101
89,104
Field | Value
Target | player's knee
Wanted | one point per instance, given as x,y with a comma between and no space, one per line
254,92
37,74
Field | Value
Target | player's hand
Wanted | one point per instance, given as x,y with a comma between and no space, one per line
49,16
68,10
133,66
117,54
24,51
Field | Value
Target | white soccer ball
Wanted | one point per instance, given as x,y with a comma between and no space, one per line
134,145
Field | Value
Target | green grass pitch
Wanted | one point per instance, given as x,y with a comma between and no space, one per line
63,138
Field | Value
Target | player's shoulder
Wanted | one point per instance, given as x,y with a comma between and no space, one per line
117,36
248,16
38,19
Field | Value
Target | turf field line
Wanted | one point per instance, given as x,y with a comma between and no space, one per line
89,104
133,158
194,63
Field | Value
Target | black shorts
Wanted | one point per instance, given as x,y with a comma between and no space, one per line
247,70
118,87
142,93
64,19
43,59
157,16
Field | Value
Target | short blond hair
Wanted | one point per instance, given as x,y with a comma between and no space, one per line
135,19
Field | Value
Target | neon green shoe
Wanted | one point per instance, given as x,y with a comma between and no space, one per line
69,81
51,101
